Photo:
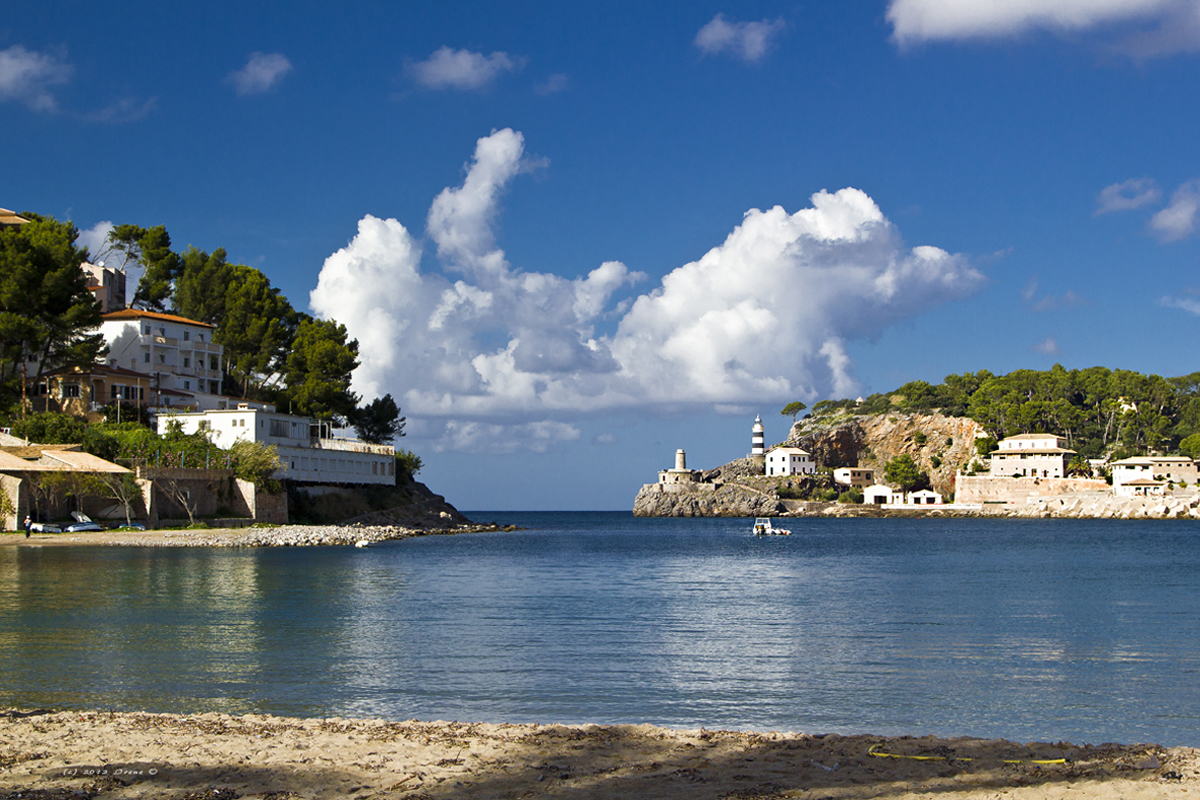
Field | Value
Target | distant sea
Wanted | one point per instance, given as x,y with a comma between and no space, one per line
1086,631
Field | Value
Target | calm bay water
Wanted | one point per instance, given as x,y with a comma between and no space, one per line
1087,631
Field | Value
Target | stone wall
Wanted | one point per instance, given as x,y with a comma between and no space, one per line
986,489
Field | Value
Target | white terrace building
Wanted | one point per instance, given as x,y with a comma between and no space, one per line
307,454
789,461
179,356
1033,455
1152,474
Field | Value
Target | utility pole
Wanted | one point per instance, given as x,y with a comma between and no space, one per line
24,378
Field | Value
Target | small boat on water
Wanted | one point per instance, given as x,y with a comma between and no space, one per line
763,527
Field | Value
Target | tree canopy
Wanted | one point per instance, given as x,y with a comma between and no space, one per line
46,310
379,422
792,409
904,472
1098,410
272,352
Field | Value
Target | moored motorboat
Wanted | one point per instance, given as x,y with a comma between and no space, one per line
763,527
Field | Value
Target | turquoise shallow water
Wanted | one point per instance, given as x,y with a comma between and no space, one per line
1087,631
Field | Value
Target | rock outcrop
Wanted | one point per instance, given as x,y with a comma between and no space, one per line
727,500
940,445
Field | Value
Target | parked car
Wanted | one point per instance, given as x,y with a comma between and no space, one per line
45,527
81,527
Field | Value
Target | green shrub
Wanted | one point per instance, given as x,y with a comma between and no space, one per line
851,495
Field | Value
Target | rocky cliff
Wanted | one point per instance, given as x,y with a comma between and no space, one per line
940,445
729,500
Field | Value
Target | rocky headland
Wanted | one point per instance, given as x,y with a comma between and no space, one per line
942,446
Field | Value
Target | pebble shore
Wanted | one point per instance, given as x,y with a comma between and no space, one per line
298,536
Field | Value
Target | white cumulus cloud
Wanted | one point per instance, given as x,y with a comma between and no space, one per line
1178,220
93,238
1127,195
484,349
1174,25
749,41
28,76
262,72
1048,347
448,68
1190,304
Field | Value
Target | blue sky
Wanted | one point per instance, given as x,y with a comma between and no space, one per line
571,238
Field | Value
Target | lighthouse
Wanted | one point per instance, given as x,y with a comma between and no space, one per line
757,451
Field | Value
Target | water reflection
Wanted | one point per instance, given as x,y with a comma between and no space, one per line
1055,631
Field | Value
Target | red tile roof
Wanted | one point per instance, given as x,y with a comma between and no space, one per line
133,313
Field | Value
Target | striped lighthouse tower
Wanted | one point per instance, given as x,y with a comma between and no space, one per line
756,438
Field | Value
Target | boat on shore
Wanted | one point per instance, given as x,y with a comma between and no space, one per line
763,527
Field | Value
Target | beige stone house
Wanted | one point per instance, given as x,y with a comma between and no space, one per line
1150,475
1031,455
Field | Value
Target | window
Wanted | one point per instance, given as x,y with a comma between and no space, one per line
146,330
70,390
187,362
146,357
212,362
187,335
205,425
200,336
279,428
187,385
162,358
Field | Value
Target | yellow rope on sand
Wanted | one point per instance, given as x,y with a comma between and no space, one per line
873,750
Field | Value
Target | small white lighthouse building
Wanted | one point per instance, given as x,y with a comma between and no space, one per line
674,479
756,438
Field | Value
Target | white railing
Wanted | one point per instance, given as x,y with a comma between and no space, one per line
354,446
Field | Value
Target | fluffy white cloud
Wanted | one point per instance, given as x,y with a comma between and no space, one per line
1178,220
93,238
262,71
748,41
1176,23
27,77
447,68
1127,195
763,316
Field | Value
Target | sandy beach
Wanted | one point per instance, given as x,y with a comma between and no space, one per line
153,538
71,754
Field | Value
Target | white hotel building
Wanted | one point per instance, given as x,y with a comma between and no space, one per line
178,355
307,455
